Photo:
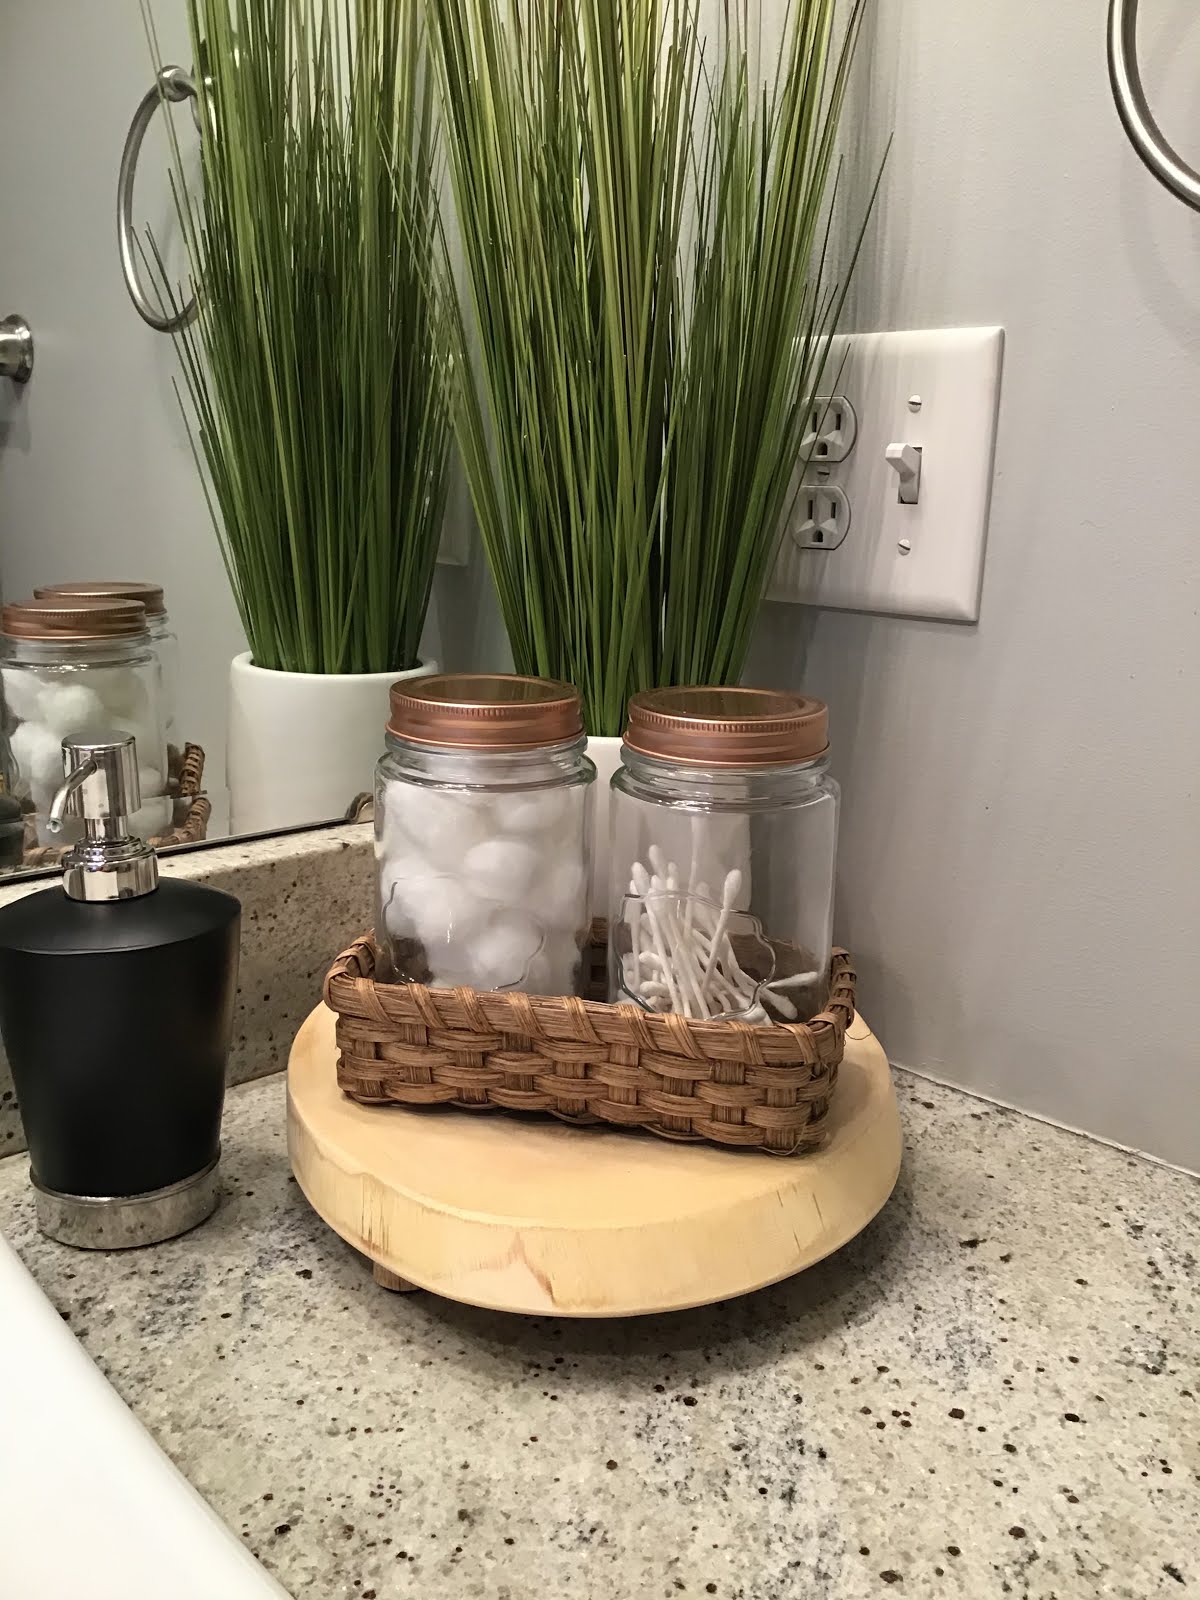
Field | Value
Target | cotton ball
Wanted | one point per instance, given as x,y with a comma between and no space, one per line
150,782
561,896
439,907
23,694
441,825
532,811
501,868
122,691
397,919
451,966
406,806
72,708
434,910
394,909
39,758
502,951
151,819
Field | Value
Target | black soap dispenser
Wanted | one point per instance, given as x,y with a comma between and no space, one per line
116,1008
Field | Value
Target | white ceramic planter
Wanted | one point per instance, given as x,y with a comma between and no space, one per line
604,751
302,745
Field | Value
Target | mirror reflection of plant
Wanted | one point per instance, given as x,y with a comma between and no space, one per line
650,299
315,369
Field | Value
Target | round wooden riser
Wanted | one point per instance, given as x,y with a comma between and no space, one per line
540,1217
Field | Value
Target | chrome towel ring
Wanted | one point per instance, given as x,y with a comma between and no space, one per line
170,84
1137,119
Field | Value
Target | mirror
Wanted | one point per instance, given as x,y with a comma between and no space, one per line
99,480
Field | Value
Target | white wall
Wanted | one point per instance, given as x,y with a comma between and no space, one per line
1020,858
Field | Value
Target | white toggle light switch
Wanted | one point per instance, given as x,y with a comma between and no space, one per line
917,479
905,462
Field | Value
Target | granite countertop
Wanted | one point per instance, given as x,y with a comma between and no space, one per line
993,1391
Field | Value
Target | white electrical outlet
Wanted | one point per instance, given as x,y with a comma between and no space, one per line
935,392
820,518
832,430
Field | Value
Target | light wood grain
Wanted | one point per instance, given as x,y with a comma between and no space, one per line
537,1217
387,1279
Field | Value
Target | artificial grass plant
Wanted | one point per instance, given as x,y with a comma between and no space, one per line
646,322
316,365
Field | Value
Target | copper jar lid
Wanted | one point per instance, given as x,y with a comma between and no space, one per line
727,727
150,594
73,621
485,711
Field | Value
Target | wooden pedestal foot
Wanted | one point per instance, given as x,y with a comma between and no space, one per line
387,1279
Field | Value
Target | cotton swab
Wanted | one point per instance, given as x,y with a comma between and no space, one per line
681,956
641,884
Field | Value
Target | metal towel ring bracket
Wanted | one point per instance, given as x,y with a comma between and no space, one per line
172,84
1145,135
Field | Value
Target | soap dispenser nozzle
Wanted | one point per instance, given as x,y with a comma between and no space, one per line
58,806
102,787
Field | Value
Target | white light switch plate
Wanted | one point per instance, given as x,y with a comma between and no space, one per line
955,372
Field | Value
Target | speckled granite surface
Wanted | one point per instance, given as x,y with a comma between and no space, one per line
327,871
992,1392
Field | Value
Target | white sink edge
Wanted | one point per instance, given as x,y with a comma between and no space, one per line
89,1505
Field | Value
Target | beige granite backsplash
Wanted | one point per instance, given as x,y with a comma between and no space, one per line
304,897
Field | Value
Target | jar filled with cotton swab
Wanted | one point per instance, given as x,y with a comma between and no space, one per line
77,665
482,834
724,838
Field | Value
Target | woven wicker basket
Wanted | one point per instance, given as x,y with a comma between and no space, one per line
585,1061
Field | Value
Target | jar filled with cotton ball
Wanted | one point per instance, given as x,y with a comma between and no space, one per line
723,830
158,627
75,666
482,834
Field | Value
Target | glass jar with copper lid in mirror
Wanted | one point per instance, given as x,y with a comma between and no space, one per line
71,666
158,626
723,836
483,828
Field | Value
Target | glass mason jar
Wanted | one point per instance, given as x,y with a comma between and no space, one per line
723,834
158,627
74,666
483,834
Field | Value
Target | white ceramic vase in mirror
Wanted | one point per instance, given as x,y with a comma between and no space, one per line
302,745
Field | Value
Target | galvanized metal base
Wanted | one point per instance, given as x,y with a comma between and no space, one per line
122,1222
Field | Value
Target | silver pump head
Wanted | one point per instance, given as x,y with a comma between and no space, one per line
102,787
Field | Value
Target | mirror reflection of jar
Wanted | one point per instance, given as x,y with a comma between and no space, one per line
73,666
158,626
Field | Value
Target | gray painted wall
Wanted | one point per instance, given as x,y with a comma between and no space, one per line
1020,857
